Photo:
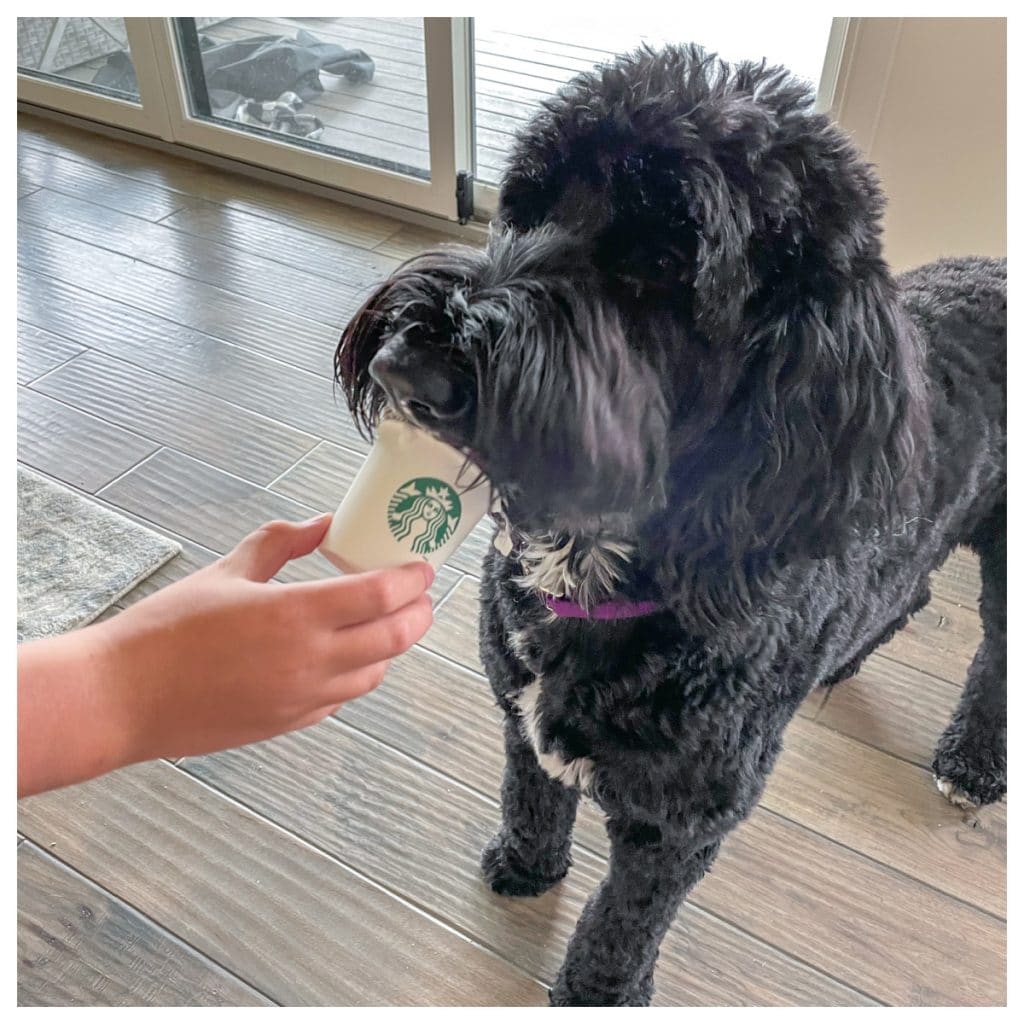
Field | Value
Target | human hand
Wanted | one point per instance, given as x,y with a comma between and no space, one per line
223,658
219,659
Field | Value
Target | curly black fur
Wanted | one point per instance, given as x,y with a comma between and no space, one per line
683,334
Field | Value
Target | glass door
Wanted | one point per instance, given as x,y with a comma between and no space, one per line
364,104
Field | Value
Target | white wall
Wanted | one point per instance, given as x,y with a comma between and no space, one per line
925,98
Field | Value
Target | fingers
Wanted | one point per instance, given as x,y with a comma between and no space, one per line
351,685
356,683
364,597
267,550
383,638
343,688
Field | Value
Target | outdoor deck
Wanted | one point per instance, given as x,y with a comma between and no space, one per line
387,118
159,372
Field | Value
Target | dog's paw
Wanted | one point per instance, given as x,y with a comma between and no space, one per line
505,873
966,784
972,790
969,782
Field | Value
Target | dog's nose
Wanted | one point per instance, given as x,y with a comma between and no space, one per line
422,385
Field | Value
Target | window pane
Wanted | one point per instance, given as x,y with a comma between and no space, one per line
354,87
89,53
518,64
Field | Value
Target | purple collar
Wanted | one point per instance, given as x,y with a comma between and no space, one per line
566,609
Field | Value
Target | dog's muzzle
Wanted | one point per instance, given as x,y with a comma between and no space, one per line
423,388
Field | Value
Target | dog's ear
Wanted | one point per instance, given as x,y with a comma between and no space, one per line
816,445
723,282
840,400
718,147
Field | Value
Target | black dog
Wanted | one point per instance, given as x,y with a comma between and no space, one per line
730,449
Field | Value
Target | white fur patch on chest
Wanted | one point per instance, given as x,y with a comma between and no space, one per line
586,569
578,772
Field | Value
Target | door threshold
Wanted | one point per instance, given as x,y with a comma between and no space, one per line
475,231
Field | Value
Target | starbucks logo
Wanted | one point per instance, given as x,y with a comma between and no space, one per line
424,514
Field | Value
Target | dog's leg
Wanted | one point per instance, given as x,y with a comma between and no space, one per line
611,956
531,851
970,760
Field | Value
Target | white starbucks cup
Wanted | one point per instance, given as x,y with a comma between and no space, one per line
414,499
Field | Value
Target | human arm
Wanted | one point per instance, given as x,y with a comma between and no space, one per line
216,660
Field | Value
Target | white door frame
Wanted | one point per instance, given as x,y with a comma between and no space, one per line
862,76
148,116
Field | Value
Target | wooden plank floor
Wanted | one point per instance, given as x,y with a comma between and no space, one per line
162,370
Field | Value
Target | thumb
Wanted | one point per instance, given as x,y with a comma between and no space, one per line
267,550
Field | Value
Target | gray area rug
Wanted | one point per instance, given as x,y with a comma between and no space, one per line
75,557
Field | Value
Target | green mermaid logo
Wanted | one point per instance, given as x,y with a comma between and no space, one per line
424,513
